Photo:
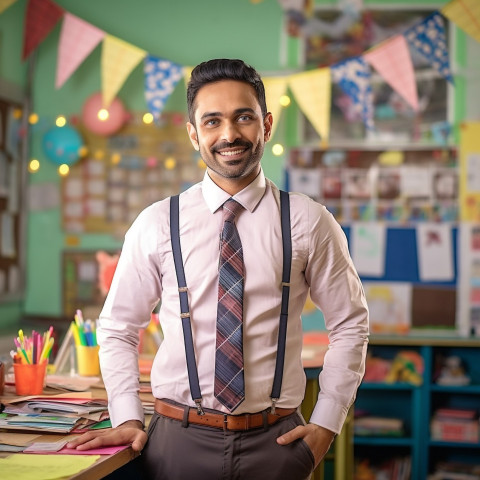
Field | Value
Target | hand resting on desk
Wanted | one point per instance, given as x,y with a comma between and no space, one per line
130,432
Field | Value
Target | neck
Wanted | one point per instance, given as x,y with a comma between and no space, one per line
233,185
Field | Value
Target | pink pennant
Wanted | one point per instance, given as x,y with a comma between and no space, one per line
41,16
393,62
77,39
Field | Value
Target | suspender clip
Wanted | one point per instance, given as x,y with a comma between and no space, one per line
274,401
200,411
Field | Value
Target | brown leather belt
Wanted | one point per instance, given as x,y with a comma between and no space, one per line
245,421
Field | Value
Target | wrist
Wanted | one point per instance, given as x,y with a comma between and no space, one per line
132,424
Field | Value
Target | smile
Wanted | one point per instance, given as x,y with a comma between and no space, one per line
231,153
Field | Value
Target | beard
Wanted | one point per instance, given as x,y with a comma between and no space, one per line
237,168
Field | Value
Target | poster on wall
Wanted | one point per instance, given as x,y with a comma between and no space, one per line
126,172
469,163
468,291
390,305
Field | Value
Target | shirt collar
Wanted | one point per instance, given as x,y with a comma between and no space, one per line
249,197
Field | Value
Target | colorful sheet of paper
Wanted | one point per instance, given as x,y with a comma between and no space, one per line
44,467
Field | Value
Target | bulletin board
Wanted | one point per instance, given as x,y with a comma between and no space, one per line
12,195
400,191
125,172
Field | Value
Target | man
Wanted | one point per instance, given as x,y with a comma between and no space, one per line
252,436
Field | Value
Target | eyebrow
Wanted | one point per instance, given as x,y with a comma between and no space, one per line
238,111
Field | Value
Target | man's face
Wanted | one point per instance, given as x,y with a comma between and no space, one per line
230,132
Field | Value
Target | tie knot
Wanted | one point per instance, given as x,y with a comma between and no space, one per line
230,209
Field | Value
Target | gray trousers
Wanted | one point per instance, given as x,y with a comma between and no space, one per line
180,452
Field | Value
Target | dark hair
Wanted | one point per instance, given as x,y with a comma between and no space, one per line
223,69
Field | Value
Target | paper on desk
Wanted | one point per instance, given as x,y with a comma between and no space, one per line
44,467
17,439
70,396
47,447
73,451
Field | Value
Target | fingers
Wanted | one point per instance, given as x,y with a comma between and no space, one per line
88,440
291,436
110,437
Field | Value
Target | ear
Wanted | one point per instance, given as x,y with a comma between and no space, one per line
192,133
267,124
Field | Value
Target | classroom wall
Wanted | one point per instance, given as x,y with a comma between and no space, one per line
185,31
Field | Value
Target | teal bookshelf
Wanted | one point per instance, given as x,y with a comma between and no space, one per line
415,405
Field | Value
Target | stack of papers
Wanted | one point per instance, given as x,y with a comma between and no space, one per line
59,414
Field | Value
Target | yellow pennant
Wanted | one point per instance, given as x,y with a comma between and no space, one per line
275,87
4,4
465,14
119,58
187,73
313,92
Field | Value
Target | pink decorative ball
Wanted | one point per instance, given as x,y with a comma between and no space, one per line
117,115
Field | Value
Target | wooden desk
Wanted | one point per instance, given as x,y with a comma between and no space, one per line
341,452
105,465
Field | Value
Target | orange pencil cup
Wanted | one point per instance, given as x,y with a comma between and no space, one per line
87,361
29,378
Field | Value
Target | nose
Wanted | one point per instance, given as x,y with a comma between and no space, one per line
230,132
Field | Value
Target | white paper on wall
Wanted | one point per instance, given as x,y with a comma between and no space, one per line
435,251
368,248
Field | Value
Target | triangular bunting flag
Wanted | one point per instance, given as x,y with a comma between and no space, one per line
4,4
275,87
187,73
161,78
353,77
77,39
119,58
40,18
465,14
429,39
312,91
393,62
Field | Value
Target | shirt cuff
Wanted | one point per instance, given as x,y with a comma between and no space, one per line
329,415
125,408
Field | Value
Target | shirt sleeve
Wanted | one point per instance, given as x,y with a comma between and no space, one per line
135,291
336,290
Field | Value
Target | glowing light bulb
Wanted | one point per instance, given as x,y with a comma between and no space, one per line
61,121
170,163
116,157
103,114
284,100
147,118
33,165
83,151
277,149
63,169
32,118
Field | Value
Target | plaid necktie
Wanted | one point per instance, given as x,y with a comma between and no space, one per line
229,383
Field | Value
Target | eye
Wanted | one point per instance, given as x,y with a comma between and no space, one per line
212,122
244,118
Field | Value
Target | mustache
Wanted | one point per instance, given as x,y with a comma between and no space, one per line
236,143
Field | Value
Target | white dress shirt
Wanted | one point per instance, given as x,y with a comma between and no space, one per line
146,273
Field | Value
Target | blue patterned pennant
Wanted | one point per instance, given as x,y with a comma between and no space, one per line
353,77
429,39
161,78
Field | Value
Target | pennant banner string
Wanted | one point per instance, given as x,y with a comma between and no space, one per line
119,58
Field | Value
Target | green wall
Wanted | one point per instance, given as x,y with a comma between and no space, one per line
184,31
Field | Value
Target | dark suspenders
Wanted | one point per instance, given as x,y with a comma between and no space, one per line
184,308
